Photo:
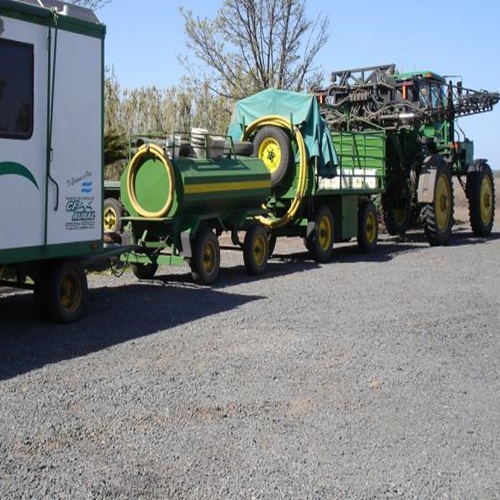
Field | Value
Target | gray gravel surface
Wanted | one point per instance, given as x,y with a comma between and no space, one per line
367,377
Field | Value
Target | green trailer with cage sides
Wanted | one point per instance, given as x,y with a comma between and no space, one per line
324,183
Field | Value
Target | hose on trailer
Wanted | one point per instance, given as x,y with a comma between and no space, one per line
279,121
156,151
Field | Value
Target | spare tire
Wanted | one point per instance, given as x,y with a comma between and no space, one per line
272,145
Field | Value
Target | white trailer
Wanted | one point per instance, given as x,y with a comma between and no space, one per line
51,150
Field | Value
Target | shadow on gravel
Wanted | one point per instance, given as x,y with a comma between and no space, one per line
115,315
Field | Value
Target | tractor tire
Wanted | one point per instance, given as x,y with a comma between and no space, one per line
112,215
205,262
61,290
437,217
272,145
480,190
144,271
320,241
256,249
396,214
367,227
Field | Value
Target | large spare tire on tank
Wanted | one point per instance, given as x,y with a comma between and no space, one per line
272,145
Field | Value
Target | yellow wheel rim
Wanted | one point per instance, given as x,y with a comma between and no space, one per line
325,233
209,258
259,250
109,219
70,292
486,200
442,204
371,228
270,153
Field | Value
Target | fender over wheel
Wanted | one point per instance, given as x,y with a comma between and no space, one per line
480,190
320,241
205,263
272,145
367,227
256,249
437,217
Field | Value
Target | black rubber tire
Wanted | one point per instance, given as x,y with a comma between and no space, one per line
112,215
367,227
480,189
437,217
243,148
320,241
256,249
61,291
272,240
144,271
396,213
271,142
205,262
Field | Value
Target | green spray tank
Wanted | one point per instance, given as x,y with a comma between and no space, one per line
157,184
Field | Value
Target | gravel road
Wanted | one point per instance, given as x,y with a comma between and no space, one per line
367,377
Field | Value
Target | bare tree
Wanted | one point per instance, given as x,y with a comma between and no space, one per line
93,4
252,45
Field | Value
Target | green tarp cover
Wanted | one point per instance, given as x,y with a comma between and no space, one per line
301,108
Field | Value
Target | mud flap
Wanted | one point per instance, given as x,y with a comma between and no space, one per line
427,179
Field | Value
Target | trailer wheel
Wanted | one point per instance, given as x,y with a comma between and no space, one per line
480,189
437,217
367,227
144,271
272,145
112,215
61,291
320,241
256,249
205,263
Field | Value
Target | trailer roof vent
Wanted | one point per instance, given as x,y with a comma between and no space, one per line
67,9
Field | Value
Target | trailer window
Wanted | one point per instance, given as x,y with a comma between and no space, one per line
16,89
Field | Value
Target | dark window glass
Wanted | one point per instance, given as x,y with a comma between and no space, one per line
16,89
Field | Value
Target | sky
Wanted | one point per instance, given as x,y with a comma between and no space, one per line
449,37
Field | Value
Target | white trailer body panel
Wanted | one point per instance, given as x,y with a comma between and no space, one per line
76,142
48,204
21,201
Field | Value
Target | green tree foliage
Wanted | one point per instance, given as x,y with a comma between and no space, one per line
151,110
115,147
251,45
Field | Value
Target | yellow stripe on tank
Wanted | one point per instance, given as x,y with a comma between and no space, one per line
225,186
